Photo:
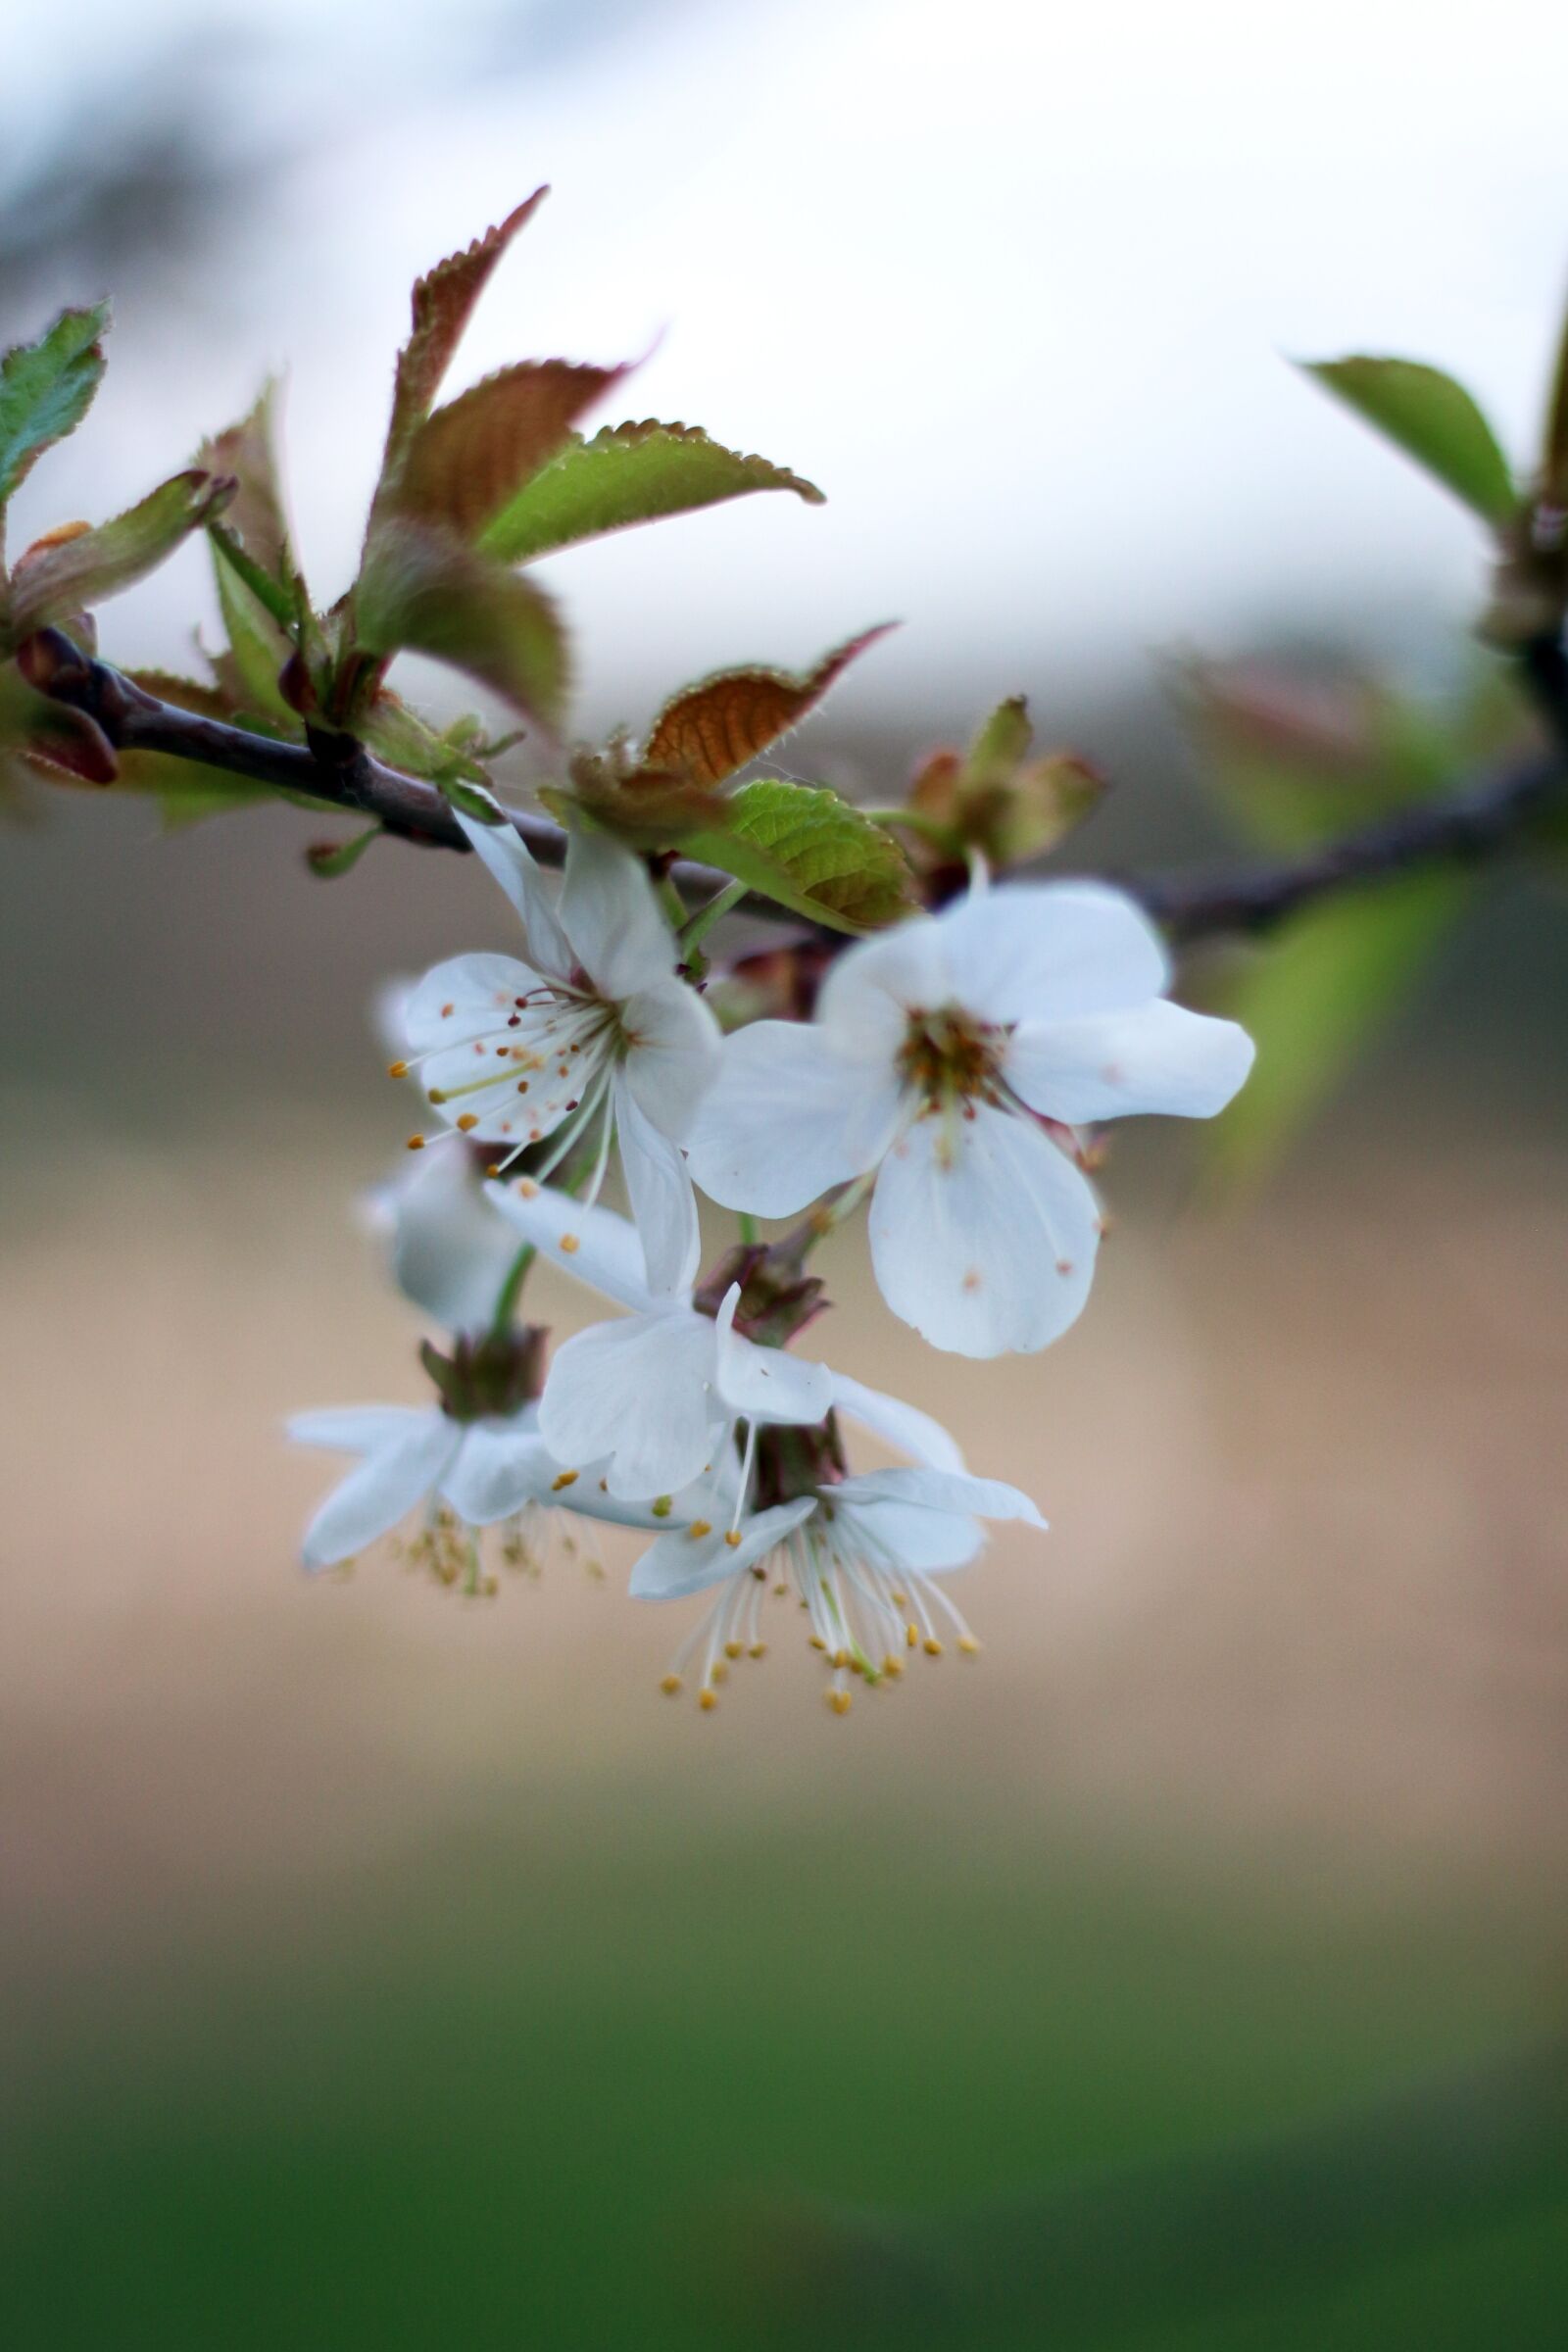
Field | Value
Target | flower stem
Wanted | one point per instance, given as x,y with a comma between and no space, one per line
511,1290
697,928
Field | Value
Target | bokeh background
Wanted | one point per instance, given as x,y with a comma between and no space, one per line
387,1969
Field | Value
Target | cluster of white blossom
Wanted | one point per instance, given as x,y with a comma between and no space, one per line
951,1070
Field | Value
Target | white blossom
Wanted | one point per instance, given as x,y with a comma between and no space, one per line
591,1036
952,1056
656,1391
861,1557
462,1467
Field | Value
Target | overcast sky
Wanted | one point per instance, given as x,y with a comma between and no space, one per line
1013,283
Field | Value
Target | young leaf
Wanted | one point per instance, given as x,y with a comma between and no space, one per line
328,859
1000,745
63,573
259,649
811,850
627,474
46,389
443,304
1433,420
276,598
713,728
425,592
470,457
245,454
186,790
1314,1000
400,736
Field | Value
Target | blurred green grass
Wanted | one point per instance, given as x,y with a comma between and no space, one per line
524,2089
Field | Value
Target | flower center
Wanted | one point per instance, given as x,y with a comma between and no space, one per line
948,1056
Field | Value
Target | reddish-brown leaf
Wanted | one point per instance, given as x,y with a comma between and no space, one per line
443,304
245,454
465,461
713,728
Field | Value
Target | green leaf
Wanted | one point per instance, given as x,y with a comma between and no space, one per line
468,461
812,851
185,790
63,574
398,735
1433,420
628,473
1000,745
259,648
46,389
270,593
328,859
1314,1000
424,592
710,730
443,304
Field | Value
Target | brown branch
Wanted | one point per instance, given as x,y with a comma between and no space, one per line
1471,824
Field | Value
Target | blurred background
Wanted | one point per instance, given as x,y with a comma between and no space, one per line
385,1968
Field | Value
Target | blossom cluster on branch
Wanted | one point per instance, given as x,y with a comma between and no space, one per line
940,1039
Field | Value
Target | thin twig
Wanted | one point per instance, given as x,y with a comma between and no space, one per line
1474,823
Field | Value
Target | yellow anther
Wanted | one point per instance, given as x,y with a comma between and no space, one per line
570,1243
527,1188
734,1649
911,1635
759,1649
415,1142
662,1505
671,1686
447,1010
708,1700
815,1639
700,1527
494,1169
397,1069
567,1478
718,1672
839,1701
733,1537
436,1094
969,1645
467,1123
892,1667
933,1647
841,1659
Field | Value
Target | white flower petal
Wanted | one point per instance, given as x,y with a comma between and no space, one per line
500,1466
768,1384
357,1428
465,997
983,1234
1153,1058
905,1539
681,1564
640,1395
374,1497
594,1245
451,1248
942,1491
902,1424
663,1201
1051,952
502,850
612,918
589,1497
673,1051
865,1003
789,1116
